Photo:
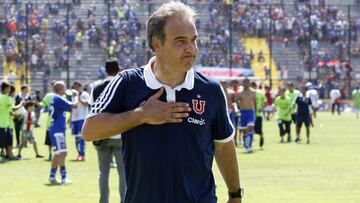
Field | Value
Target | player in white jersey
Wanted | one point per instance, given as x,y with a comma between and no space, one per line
314,97
78,116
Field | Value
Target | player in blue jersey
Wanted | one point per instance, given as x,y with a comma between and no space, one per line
304,104
58,107
247,103
173,120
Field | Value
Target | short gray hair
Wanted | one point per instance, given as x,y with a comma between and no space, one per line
58,86
157,21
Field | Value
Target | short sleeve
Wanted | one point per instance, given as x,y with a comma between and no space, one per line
84,97
91,97
64,104
223,128
111,98
296,101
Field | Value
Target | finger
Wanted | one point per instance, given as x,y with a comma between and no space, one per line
158,94
179,115
179,109
178,104
174,120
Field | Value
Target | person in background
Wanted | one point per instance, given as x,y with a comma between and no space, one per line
58,107
108,148
335,98
38,99
292,94
247,101
78,115
23,96
6,105
27,131
283,105
303,114
45,104
356,97
260,105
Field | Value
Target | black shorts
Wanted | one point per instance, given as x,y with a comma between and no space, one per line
258,125
47,138
6,137
303,119
293,118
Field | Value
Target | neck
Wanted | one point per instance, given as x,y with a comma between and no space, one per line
163,75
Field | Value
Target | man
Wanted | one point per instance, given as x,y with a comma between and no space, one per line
169,145
23,96
268,110
247,103
6,105
45,103
78,116
58,107
292,94
314,96
260,105
303,114
283,105
38,99
356,97
335,98
108,148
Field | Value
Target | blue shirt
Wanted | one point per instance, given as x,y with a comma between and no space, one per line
58,106
169,162
303,105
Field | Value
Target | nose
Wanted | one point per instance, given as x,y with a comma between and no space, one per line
191,47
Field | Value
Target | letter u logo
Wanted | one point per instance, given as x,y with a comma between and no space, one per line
199,109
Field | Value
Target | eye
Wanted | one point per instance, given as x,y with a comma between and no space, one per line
180,41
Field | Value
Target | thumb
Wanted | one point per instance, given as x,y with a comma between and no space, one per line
158,94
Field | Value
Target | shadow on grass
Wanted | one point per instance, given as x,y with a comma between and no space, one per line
74,160
52,184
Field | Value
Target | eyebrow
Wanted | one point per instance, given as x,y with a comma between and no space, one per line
182,37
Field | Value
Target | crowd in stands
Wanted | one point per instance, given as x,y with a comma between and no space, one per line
13,35
311,27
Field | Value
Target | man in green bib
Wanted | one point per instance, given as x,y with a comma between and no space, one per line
356,97
292,94
260,105
283,105
45,103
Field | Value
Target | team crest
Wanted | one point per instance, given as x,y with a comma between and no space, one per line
198,106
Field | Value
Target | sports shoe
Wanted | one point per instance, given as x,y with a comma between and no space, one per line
308,142
248,150
82,158
19,157
78,158
289,139
298,139
113,165
282,140
39,156
53,180
66,181
261,141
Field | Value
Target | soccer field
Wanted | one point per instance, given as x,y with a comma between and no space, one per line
327,170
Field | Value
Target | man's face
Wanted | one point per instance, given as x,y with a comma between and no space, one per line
290,87
246,83
6,90
179,50
25,90
62,90
77,87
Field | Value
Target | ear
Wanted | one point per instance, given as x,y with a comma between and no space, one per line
156,44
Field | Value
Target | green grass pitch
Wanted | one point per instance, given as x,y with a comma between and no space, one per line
327,170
